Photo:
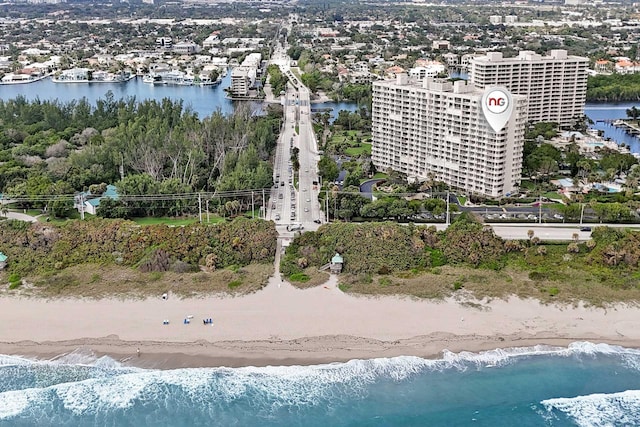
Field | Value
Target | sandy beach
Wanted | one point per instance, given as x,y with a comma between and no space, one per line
281,325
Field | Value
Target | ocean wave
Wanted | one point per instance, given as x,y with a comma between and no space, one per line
7,360
86,357
98,390
503,356
598,410
19,373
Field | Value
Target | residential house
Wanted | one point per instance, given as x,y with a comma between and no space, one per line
3,260
88,203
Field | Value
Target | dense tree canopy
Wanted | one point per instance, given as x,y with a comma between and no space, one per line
149,147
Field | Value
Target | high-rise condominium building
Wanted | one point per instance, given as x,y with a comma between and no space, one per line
437,130
555,85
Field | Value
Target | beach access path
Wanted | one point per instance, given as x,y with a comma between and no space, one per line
284,325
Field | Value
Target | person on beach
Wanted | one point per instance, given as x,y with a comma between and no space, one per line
138,351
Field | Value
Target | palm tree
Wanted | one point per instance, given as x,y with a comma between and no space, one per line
4,210
631,185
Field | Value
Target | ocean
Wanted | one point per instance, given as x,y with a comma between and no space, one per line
584,384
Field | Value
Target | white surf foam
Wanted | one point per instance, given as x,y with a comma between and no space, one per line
7,360
502,356
13,403
86,357
291,385
599,410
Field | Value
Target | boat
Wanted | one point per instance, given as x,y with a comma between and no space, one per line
151,78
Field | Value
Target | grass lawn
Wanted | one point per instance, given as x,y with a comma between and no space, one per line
51,220
256,213
552,195
350,143
356,151
174,221
462,200
379,175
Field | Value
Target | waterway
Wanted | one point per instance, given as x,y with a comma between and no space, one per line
613,111
205,100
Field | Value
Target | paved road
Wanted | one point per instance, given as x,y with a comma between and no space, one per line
543,233
21,217
289,204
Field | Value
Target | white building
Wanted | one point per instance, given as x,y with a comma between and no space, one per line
555,85
164,42
186,48
436,130
241,80
429,71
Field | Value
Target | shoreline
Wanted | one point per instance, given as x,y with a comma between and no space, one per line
282,325
306,351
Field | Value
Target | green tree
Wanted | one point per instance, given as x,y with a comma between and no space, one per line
328,169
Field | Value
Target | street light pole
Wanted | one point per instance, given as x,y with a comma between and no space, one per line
582,213
448,217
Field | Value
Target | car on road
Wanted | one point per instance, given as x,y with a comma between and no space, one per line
308,200
295,227
304,189
317,221
280,196
585,228
277,217
306,209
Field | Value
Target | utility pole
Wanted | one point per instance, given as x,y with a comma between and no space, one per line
253,209
540,210
582,213
81,206
264,208
200,207
207,207
121,166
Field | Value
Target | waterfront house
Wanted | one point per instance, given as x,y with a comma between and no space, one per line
74,75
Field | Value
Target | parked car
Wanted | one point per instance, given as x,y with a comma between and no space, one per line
585,228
